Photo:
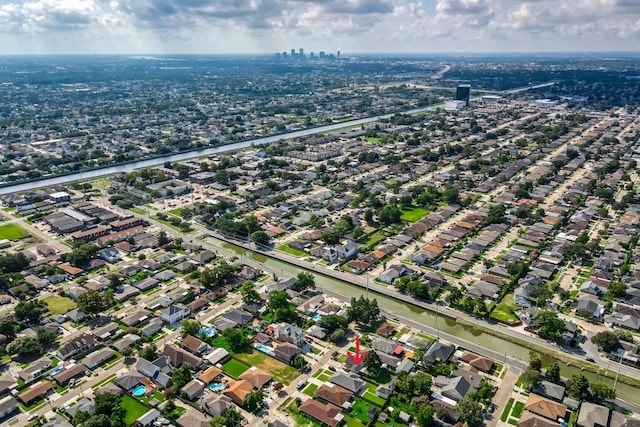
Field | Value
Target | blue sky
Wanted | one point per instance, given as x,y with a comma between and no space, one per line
262,26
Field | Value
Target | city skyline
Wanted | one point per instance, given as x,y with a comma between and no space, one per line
256,27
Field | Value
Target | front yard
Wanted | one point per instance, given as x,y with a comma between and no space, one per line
506,310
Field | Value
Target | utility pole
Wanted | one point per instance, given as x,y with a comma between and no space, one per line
615,382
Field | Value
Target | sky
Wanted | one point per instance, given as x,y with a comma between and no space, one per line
351,26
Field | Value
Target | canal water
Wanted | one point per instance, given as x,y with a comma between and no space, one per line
428,318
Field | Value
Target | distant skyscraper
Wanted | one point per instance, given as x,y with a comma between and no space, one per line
321,54
338,54
312,55
293,52
301,52
463,93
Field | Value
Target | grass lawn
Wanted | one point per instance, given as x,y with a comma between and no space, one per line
517,410
506,310
359,410
507,410
138,210
383,377
373,139
291,251
352,422
373,398
310,390
413,214
282,373
59,305
373,239
134,409
234,368
177,212
12,232
221,341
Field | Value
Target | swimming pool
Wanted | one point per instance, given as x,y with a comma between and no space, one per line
263,348
207,332
217,386
316,317
55,371
139,390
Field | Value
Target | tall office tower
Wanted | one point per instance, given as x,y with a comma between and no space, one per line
463,93
284,54
293,52
312,55
301,50
338,54
321,54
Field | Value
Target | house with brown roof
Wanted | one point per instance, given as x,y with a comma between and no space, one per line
286,352
545,408
328,414
238,391
333,393
530,420
592,415
256,376
35,392
178,356
65,376
210,375
195,345
479,362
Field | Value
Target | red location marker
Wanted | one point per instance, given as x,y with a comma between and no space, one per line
357,358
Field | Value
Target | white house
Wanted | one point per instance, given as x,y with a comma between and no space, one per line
289,333
174,313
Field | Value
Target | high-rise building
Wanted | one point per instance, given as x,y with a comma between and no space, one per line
321,54
293,52
463,93
338,54
301,50
312,55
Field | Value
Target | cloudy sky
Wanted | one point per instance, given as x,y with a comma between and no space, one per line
257,26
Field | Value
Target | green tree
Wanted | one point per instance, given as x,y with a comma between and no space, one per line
373,363
602,392
148,352
553,373
190,327
249,293
260,237
368,216
299,362
470,412
237,339
337,335
578,387
92,302
425,415
617,290
389,214
218,276
8,329
606,341
30,311
81,255
254,401
46,337
535,363
549,325
280,306
331,322
363,310
496,214
24,346
529,378
181,376
303,282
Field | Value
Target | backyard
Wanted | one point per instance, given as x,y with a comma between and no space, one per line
12,232
291,251
282,373
234,368
134,409
505,311
413,214
59,305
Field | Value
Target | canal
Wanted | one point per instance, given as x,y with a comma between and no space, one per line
431,319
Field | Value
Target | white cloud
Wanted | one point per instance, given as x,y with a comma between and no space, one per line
350,25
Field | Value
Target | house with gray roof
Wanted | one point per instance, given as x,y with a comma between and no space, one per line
148,418
352,383
457,388
238,316
549,390
592,415
437,352
130,379
154,326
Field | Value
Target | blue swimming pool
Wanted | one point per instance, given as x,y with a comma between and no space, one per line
316,317
263,348
217,386
139,390
55,371
207,332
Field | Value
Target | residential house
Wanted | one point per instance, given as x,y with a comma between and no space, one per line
335,394
351,382
70,373
35,370
98,357
238,391
193,389
456,388
328,414
215,404
238,316
257,377
148,418
111,255
592,415
286,352
78,347
545,408
549,390
531,420
154,326
130,379
590,309
437,352
210,375
195,345
287,332
35,392
151,370
174,313
178,356
8,405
